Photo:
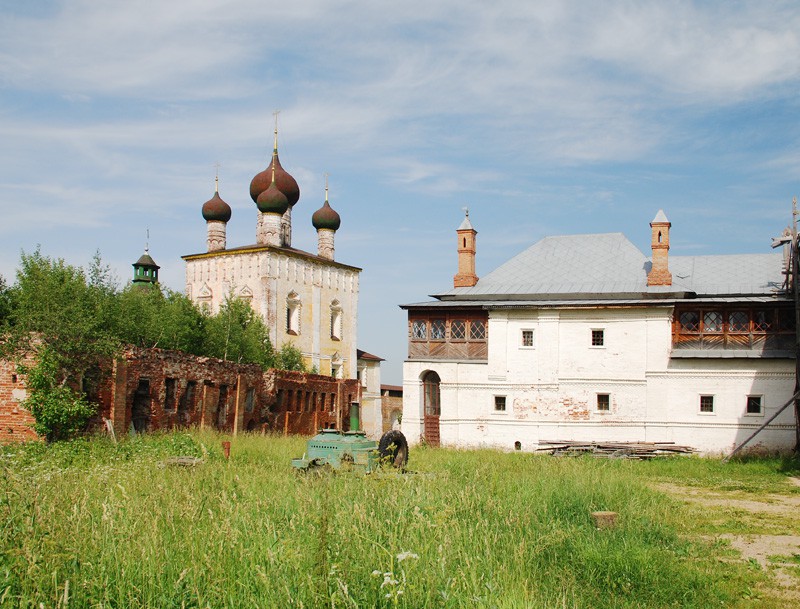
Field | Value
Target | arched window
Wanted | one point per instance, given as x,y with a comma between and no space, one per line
293,314
430,384
336,320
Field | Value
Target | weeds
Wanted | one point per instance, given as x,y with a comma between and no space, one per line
91,523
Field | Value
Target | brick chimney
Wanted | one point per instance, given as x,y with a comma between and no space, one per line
659,273
466,277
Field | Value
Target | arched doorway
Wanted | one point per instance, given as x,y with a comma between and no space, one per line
432,408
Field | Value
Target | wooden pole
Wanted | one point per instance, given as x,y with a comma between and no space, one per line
796,293
792,399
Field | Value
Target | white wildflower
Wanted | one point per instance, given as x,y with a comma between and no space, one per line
405,556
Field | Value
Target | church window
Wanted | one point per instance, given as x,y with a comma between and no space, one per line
499,403
437,329
419,329
603,402
477,330
707,404
336,320
458,329
293,314
598,338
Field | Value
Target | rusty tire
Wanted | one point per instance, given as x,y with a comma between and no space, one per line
393,449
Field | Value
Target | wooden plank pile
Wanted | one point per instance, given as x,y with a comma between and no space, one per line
613,450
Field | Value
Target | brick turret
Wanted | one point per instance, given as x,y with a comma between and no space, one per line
659,272
466,277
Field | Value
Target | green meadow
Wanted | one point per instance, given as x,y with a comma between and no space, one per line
90,523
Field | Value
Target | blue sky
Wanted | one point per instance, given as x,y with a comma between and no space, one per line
543,118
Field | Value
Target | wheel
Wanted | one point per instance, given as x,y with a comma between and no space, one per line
393,449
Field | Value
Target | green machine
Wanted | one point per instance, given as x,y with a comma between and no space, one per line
353,450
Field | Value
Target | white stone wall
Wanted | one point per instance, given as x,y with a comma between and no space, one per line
371,414
266,278
551,388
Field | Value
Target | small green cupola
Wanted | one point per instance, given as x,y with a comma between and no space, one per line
145,270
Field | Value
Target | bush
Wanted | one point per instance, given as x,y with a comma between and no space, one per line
60,412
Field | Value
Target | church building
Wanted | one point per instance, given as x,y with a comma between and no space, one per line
584,338
307,299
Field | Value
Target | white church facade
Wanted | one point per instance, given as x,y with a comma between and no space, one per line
585,338
307,299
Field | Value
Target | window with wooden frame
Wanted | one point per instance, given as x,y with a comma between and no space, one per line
499,403
458,329
737,327
437,329
419,329
598,337
477,330
706,404
603,402
526,338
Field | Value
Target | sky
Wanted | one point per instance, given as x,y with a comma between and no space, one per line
543,118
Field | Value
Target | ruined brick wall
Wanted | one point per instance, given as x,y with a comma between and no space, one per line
15,420
169,389
153,389
304,403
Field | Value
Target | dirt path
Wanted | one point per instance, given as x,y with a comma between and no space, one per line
772,522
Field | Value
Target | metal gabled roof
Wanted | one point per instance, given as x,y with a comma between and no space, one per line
609,266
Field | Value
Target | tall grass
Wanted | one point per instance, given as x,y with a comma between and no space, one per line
93,524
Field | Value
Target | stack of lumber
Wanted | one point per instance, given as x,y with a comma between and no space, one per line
613,450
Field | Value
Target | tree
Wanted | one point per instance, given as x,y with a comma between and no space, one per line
66,324
237,334
54,308
290,357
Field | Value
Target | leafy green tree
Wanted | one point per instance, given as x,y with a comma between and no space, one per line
236,333
56,309
66,323
6,303
290,357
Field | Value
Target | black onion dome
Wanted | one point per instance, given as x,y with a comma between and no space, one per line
326,217
272,200
216,209
284,181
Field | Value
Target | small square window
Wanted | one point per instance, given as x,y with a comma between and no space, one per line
707,403
603,402
527,338
753,404
598,338
500,403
